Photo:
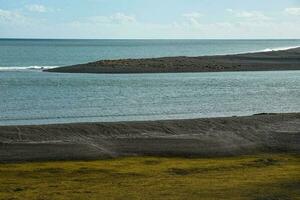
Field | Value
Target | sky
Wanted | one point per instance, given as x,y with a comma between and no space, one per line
150,19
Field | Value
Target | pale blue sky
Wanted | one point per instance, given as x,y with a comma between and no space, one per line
199,19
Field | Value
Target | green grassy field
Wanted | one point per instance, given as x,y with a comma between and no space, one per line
260,177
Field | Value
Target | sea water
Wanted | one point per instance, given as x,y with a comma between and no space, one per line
34,54
29,96
40,98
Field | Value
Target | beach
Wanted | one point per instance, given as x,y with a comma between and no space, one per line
254,157
211,137
261,61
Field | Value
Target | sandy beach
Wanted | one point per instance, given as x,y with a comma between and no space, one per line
262,61
215,137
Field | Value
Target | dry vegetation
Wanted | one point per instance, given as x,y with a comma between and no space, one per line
260,177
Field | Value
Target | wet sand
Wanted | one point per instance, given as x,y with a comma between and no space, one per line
263,61
211,137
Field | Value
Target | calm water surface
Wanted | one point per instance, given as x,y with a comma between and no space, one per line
37,98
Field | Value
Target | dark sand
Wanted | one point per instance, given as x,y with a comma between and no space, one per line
266,133
264,61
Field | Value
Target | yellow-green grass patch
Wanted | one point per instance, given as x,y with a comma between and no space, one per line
257,177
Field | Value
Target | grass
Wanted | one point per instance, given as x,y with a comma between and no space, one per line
257,177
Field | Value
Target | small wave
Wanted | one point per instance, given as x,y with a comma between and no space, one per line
33,68
263,50
279,49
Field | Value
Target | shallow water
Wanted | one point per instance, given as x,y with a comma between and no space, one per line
37,98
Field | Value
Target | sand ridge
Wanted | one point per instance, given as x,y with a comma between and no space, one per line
262,61
211,137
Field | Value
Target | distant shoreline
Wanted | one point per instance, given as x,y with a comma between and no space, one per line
260,61
208,137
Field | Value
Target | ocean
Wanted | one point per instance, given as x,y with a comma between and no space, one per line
21,54
29,96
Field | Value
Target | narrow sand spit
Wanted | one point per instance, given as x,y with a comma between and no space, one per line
262,61
265,133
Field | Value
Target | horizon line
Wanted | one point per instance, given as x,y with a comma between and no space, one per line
28,38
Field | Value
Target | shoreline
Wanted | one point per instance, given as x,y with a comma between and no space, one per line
207,137
143,120
42,68
258,61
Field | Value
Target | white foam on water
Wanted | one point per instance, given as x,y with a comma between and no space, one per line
279,49
32,68
260,51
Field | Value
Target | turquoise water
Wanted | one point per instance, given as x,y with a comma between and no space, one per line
22,54
31,97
